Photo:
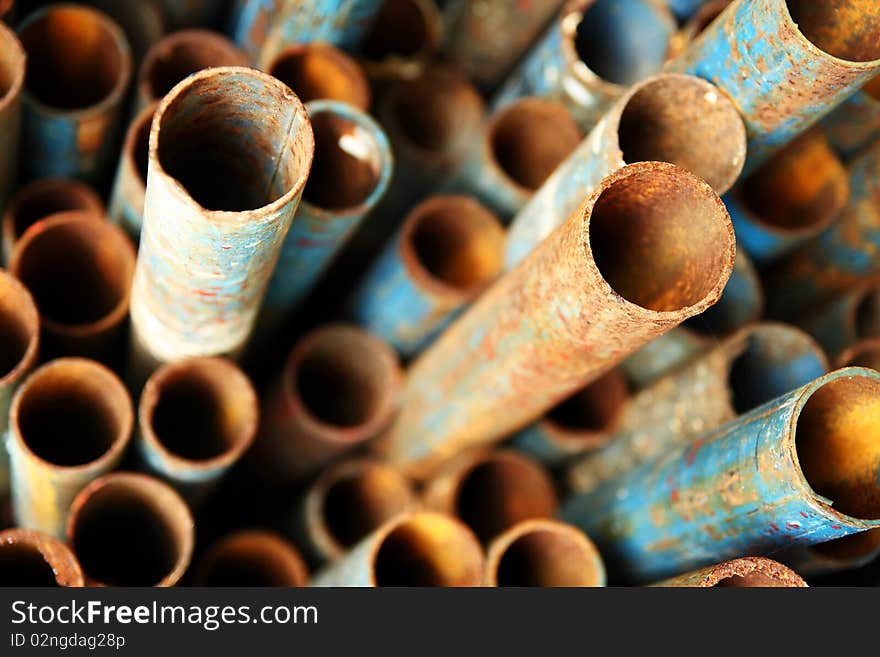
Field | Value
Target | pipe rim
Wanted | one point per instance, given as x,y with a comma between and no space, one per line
57,555
329,52
815,50
29,307
12,43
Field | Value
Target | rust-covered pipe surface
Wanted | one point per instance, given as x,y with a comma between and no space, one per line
744,572
130,185
667,118
196,418
251,557
129,529
347,502
650,248
230,150
32,558
79,269
318,71
12,75
339,387
70,422
543,553
422,548
491,492
403,38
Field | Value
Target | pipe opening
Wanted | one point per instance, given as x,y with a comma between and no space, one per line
252,558
317,71
428,549
234,139
863,354
77,267
595,408
458,242
622,41
854,547
47,197
400,29
753,579
530,138
659,239
347,164
868,315
76,57
838,444
22,564
19,324
502,490
684,121
547,556
846,29
11,62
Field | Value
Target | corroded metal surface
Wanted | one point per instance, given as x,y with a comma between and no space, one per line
743,572
844,320
251,557
12,73
799,470
855,124
130,185
32,558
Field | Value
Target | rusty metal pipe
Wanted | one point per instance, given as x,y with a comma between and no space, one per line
666,118
12,75
232,194
855,124
196,419
78,70
422,548
130,185
318,71
743,572
130,529
651,247
339,387
143,21
79,269
31,558
402,40
864,353
86,404
543,553
799,470
251,557
347,502
844,321
447,251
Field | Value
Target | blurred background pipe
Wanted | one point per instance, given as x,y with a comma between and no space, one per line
759,363
543,553
199,280
12,75
743,572
796,194
587,297
847,553
347,502
447,251
415,549
591,54
677,119
7,9
855,124
178,55
582,423
864,353
196,418
129,529
786,63
521,145
70,422
130,185
845,320
797,471
684,9
78,70
40,199
79,269
403,39
318,71
31,558
251,557
696,22
665,354
339,387
492,491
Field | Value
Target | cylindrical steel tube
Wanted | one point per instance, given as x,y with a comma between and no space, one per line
684,9
86,404
142,21
339,387
129,529
178,55
664,354
447,251
521,145
864,353
855,124
402,40
668,118
651,247
845,320
757,364
196,418
743,572
78,70
130,185
415,549
232,194
251,557
79,269
696,23
801,469
847,553
318,71
347,502
591,54
12,74
32,558
786,63
491,492
41,198
543,553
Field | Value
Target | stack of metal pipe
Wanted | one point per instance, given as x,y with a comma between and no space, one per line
473,293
